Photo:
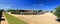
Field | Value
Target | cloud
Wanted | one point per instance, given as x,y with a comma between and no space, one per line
41,4
3,6
38,5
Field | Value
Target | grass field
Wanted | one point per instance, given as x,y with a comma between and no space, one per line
47,18
12,20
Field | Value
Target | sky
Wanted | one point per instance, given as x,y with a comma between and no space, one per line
29,4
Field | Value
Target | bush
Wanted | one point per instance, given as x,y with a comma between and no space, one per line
57,12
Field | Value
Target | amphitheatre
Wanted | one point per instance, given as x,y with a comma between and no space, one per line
29,11
43,18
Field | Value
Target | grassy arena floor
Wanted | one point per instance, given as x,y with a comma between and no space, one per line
13,20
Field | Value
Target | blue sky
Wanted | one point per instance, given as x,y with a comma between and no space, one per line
29,4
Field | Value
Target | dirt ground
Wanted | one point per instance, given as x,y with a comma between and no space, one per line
47,18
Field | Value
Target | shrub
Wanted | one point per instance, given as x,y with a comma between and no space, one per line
57,12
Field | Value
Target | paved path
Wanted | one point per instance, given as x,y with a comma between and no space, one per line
4,22
47,18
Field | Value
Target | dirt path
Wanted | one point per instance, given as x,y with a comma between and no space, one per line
47,18
4,22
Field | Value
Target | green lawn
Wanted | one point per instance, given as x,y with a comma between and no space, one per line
13,20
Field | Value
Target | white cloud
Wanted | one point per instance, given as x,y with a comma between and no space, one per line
3,6
41,4
38,5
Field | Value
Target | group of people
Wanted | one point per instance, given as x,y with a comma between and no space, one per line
1,15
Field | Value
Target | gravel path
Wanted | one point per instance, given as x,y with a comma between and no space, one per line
47,18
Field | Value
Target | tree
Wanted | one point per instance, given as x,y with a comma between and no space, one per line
51,11
39,10
57,12
11,10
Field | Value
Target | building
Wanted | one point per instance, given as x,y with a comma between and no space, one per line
29,12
